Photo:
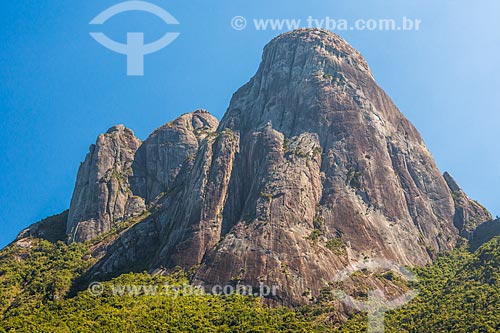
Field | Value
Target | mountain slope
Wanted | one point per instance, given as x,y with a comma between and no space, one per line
312,168
459,292
311,152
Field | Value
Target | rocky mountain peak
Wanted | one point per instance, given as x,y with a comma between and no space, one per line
312,168
161,156
317,44
300,71
102,195
469,214
117,128
452,184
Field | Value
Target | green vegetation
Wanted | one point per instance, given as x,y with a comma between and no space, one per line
154,311
268,196
120,227
293,147
38,272
459,292
337,246
335,78
318,222
317,150
113,174
314,236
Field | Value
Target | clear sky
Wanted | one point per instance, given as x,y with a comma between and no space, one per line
59,88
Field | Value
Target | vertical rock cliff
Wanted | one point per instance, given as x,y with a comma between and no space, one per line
469,214
102,193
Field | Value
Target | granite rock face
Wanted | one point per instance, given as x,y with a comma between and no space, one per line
484,233
325,158
469,214
121,174
312,168
102,194
160,157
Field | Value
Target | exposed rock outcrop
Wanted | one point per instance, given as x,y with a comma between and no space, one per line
160,157
186,221
52,228
484,232
338,161
102,194
312,168
469,214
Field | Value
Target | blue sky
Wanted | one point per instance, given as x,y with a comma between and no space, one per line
59,88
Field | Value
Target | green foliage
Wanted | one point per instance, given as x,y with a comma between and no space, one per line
459,292
314,236
268,196
337,246
120,227
155,313
317,150
335,78
293,147
318,222
39,271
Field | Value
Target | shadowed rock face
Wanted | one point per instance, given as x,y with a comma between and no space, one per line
469,214
52,228
484,233
312,167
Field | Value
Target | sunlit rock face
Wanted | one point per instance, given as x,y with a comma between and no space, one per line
312,168
102,195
